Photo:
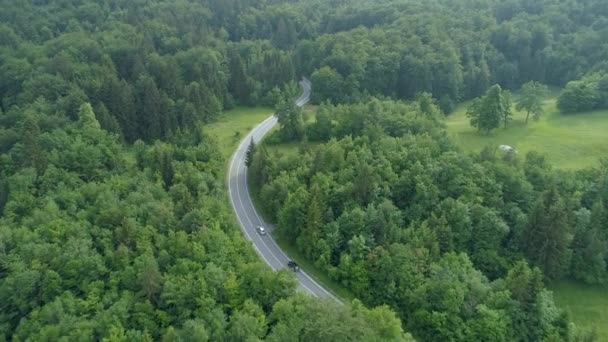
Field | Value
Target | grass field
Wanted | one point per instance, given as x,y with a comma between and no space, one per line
587,304
569,141
241,120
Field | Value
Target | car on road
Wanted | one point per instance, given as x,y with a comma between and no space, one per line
261,230
292,264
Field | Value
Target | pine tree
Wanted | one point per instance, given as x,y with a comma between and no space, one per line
282,35
164,162
259,165
238,84
250,153
4,193
106,120
86,117
148,103
32,154
119,99
505,112
314,222
149,277
546,237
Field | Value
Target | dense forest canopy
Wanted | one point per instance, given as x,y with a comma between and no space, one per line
459,245
113,219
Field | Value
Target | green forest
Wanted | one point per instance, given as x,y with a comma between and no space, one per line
115,223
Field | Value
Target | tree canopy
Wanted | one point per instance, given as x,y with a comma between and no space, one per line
113,219
460,246
487,112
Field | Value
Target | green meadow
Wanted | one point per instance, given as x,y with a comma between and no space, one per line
570,141
588,305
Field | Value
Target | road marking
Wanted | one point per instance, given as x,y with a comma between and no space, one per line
261,221
263,128
239,164
236,178
238,193
239,219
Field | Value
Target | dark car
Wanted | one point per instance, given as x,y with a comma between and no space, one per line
292,264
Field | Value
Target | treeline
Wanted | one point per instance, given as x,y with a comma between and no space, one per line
151,69
459,245
452,49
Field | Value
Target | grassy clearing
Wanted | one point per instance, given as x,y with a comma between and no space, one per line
587,304
233,125
570,141
309,115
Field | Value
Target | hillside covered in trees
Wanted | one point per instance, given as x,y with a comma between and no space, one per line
113,219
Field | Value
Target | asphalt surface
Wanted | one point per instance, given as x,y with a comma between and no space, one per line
249,219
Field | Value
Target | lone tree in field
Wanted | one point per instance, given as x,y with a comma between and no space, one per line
532,95
487,112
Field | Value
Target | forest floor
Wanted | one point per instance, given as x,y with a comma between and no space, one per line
587,304
570,141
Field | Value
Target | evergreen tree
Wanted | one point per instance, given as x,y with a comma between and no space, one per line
322,128
260,165
285,34
149,277
250,153
4,194
86,117
506,113
32,153
547,237
119,99
148,103
238,84
163,157
311,233
106,120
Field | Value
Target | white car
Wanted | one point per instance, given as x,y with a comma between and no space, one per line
261,230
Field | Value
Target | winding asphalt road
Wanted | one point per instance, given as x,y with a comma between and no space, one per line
246,213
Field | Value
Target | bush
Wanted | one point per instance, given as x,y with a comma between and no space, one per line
589,93
578,96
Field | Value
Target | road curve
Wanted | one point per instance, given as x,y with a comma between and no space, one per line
246,213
